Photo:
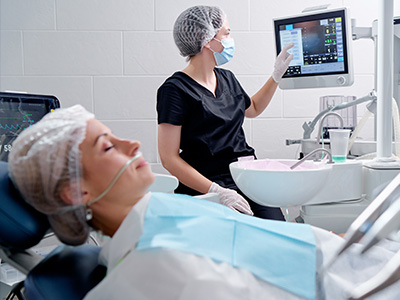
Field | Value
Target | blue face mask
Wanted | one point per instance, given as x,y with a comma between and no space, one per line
226,54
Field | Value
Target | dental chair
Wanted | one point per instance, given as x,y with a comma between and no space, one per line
65,273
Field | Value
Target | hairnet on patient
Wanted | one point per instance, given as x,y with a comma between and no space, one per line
195,27
41,170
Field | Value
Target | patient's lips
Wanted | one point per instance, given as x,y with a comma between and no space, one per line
142,163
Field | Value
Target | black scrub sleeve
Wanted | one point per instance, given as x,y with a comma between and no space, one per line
171,107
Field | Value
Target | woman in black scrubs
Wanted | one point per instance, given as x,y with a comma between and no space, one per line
201,111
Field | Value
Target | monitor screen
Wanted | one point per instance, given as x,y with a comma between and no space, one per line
321,52
19,111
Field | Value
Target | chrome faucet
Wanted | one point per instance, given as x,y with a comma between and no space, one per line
311,154
322,122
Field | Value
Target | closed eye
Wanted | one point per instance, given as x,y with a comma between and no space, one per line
109,148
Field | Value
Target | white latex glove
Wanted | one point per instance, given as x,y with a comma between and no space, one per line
282,62
231,199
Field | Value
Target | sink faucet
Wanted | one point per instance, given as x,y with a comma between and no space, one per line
322,122
311,154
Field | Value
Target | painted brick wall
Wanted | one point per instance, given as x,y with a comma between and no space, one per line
111,56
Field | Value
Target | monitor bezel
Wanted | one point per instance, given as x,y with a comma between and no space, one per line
50,101
319,80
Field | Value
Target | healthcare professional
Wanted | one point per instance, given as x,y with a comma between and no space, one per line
201,111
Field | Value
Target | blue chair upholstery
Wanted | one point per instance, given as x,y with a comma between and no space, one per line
65,273
25,226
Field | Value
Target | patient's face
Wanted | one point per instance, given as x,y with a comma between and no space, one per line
103,156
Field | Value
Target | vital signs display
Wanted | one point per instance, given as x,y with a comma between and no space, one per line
19,111
321,52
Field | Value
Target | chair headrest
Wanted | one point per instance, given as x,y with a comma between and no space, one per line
22,226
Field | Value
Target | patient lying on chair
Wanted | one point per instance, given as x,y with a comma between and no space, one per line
167,246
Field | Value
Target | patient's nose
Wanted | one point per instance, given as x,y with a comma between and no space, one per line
131,147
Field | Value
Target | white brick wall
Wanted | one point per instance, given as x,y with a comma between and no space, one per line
111,56
72,53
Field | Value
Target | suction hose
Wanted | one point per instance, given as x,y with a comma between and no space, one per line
358,129
396,126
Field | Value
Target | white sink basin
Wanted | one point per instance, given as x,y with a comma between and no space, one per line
280,187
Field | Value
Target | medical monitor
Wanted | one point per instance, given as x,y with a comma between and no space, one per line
321,52
19,111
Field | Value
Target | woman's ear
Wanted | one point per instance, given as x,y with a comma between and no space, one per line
68,194
207,45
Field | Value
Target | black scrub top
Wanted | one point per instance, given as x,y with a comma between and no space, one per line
212,135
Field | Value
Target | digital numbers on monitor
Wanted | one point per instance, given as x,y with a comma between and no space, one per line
321,55
18,112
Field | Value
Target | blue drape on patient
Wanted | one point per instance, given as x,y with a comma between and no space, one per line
283,254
